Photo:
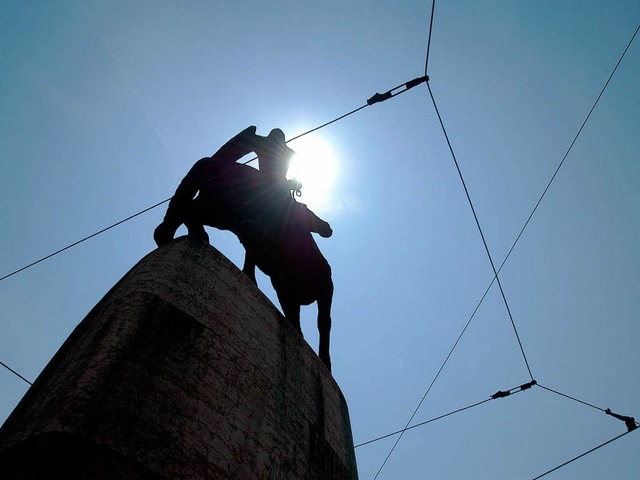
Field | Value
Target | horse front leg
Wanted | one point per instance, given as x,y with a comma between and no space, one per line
324,324
194,223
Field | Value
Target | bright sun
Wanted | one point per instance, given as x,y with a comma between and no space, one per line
315,166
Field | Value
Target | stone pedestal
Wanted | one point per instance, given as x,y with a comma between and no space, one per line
184,370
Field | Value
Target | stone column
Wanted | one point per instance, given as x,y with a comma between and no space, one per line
184,370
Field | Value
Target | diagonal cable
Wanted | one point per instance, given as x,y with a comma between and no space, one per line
46,257
498,394
465,328
575,138
130,217
439,417
426,62
629,421
493,280
15,373
571,398
484,241
582,455
495,396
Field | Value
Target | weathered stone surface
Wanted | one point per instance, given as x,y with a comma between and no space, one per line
184,370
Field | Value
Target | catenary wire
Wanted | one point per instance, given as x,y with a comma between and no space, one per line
330,122
426,62
518,238
539,201
435,378
498,394
496,272
484,242
504,261
571,398
582,455
488,254
468,407
15,373
512,392
541,197
605,410
575,138
85,239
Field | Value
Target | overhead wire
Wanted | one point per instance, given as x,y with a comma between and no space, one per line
504,261
484,241
496,277
571,398
538,202
526,224
496,272
495,396
504,298
130,217
577,457
499,394
630,421
15,373
431,420
575,138
426,62
84,239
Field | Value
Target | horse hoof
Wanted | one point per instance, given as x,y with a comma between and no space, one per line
163,234
327,362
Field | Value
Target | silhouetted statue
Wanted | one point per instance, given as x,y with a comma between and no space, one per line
258,207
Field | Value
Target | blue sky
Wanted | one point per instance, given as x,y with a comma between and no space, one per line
107,104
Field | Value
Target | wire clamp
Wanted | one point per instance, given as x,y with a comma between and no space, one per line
381,97
501,394
521,388
630,422
527,386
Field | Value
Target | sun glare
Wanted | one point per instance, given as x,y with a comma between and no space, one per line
315,166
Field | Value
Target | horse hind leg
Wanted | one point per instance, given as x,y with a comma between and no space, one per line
249,267
195,226
324,325
291,310
197,231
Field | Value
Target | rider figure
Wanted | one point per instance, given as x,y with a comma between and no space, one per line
275,157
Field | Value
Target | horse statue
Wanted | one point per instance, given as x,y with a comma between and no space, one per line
257,206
